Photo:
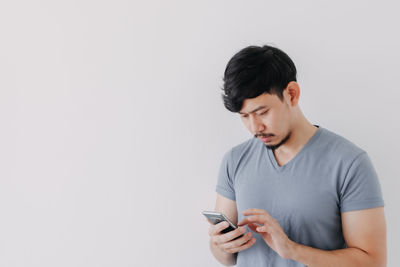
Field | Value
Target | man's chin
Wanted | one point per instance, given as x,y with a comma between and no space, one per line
275,146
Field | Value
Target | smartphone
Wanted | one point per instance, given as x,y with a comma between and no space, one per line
217,217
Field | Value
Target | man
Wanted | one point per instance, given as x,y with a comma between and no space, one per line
309,196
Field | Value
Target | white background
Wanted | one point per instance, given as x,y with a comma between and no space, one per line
112,125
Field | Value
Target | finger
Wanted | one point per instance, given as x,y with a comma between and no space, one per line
254,212
262,229
217,228
246,245
237,242
253,227
261,219
224,238
268,218
244,221
266,228
259,228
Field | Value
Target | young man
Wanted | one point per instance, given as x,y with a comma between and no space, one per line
309,196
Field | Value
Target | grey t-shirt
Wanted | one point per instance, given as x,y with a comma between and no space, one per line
306,196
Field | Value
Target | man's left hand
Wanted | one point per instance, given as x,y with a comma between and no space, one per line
264,224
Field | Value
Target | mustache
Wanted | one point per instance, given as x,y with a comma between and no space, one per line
263,135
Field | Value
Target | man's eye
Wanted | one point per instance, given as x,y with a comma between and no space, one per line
262,113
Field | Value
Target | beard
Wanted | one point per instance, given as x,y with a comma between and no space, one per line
284,140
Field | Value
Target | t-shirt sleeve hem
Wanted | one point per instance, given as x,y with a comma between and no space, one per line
225,193
362,205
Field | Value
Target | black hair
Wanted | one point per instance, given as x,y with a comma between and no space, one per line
253,71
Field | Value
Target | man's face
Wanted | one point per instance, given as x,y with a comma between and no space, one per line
267,118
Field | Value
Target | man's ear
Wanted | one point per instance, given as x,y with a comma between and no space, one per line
292,93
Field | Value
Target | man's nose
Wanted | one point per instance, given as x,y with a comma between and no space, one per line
257,125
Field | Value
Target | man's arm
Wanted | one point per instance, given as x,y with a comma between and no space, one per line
225,246
227,207
364,232
365,235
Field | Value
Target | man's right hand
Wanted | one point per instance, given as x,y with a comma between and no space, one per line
225,241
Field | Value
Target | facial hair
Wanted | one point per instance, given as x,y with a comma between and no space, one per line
284,140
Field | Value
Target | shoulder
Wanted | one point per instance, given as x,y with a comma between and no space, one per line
335,145
239,155
244,148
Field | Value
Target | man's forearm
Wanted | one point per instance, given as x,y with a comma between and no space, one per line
313,257
227,259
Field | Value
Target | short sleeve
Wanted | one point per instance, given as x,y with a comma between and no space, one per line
361,188
225,178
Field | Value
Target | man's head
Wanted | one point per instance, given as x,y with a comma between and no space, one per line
260,84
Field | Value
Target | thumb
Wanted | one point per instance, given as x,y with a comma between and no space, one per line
262,229
253,227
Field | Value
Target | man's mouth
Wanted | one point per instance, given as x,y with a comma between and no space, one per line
265,138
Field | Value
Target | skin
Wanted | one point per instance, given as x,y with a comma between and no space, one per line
364,230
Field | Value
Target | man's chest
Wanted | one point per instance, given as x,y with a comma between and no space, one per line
290,196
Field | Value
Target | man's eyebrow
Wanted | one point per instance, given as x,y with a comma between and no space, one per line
261,107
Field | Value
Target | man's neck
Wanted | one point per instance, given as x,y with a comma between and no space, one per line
298,139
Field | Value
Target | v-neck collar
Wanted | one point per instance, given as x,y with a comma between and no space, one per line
272,159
